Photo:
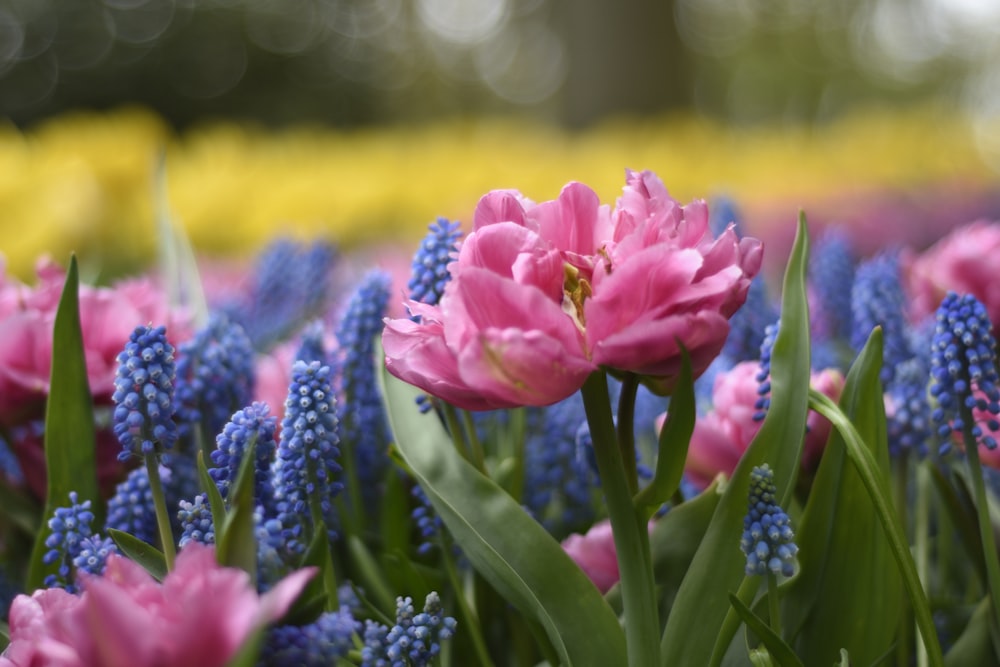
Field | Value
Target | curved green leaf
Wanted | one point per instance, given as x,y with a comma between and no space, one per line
70,442
836,602
781,652
506,546
146,555
675,436
878,493
701,614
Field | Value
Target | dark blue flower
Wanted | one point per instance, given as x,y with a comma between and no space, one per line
318,644
255,425
429,270
92,554
747,326
74,545
831,274
215,376
292,286
415,639
196,521
306,468
363,422
963,371
768,541
764,374
144,392
878,300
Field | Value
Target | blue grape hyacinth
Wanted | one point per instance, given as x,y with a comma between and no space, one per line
963,371
253,424
429,270
306,468
878,300
768,541
144,394
415,639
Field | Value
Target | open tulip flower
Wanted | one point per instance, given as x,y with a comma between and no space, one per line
541,295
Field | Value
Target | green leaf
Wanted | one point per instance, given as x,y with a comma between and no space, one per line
249,650
320,592
878,493
974,646
506,546
778,649
146,555
236,544
211,489
838,602
701,614
4,635
369,574
674,541
69,426
675,436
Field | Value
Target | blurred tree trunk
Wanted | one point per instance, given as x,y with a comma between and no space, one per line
625,56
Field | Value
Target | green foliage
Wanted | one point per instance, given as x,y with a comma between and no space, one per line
146,555
848,592
698,619
505,545
70,442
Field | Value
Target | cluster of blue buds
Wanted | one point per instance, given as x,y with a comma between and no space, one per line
429,270
415,639
143,396
878,299
768,541
963,371
764,374
72,542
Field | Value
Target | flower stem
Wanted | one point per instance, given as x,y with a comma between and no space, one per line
626,429
921,542
773,609
982,513
471,620
160,503
628,527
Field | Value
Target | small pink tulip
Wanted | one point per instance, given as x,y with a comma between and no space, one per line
200,615
962,262
595,554
722,435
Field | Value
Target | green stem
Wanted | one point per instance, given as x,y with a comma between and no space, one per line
626,429
904,636
162,516
476,452
922,540
631,536
773,609
471,621
982,513
458,438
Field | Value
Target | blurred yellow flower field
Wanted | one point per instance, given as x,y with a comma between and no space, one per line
85,182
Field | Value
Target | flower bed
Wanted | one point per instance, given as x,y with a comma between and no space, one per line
575,433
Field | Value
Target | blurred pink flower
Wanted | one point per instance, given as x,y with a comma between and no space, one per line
200,615
722,435
543,294
962,262
595,554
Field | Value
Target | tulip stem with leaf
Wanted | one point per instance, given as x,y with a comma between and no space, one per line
162,515
628,523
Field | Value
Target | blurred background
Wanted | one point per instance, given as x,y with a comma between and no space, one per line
726,96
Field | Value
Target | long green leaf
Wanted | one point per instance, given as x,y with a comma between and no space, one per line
506,546
868,470
781,652
837,602
673,443
700,616
70,443
146,555
22,510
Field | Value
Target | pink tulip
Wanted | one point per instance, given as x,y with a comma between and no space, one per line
595,554
962,262
722,435
200,615
542,295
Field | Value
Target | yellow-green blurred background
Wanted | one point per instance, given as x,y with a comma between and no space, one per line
362,120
